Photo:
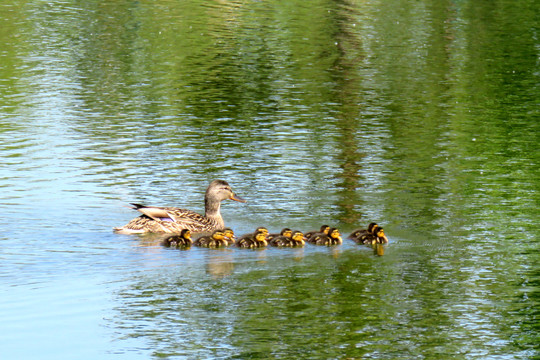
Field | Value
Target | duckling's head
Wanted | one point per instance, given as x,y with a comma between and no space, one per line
229,233
381,237
262,229
186,234
325,229
297,236
334,233
286,232
371,226
219,190
218,235
260,237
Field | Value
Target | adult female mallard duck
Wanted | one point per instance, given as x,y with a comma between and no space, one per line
216,240
284,232
295,240
333,238
324,230
377,237
360,232
174,220
181,240
257,240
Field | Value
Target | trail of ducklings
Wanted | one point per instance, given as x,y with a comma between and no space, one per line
373,236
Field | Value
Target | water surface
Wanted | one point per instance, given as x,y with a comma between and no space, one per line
420,116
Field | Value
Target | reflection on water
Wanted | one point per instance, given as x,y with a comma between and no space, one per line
419,116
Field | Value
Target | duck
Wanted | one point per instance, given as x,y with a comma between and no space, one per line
284,232
323,230
229,235
216,240
360,232
295,240
257,240
378,237
173,220
250,235
181,240
332,238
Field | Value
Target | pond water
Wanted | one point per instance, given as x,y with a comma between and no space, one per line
421,116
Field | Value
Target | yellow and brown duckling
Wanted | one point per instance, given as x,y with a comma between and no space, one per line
216,240
323,230
254,241
332,238
229,235
181,240
286,232
295,240
356,234
377,237
250,235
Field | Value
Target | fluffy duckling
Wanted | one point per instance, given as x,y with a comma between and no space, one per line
216,240
284,232
323,230
378,237
229,235
250,235
332,238
360,232
181,240
257,240
295,240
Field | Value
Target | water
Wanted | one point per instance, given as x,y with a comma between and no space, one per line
420,116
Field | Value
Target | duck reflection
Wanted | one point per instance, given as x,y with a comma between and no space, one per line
220,263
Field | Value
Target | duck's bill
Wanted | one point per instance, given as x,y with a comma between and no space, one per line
237,198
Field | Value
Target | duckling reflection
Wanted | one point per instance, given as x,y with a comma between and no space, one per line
220,265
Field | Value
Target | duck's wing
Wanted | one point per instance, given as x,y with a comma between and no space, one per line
177,217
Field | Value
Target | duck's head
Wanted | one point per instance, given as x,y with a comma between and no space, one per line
372,227
286,232
335,234
221,190
186,234
260,237
298,236
262,229
218,235
325,229
229,234
381,237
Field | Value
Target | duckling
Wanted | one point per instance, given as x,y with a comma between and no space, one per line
284,232
173,219
258,240
295,240
182,240
333,238
250,235
229,235
378,237
216,240
324,230
360,232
